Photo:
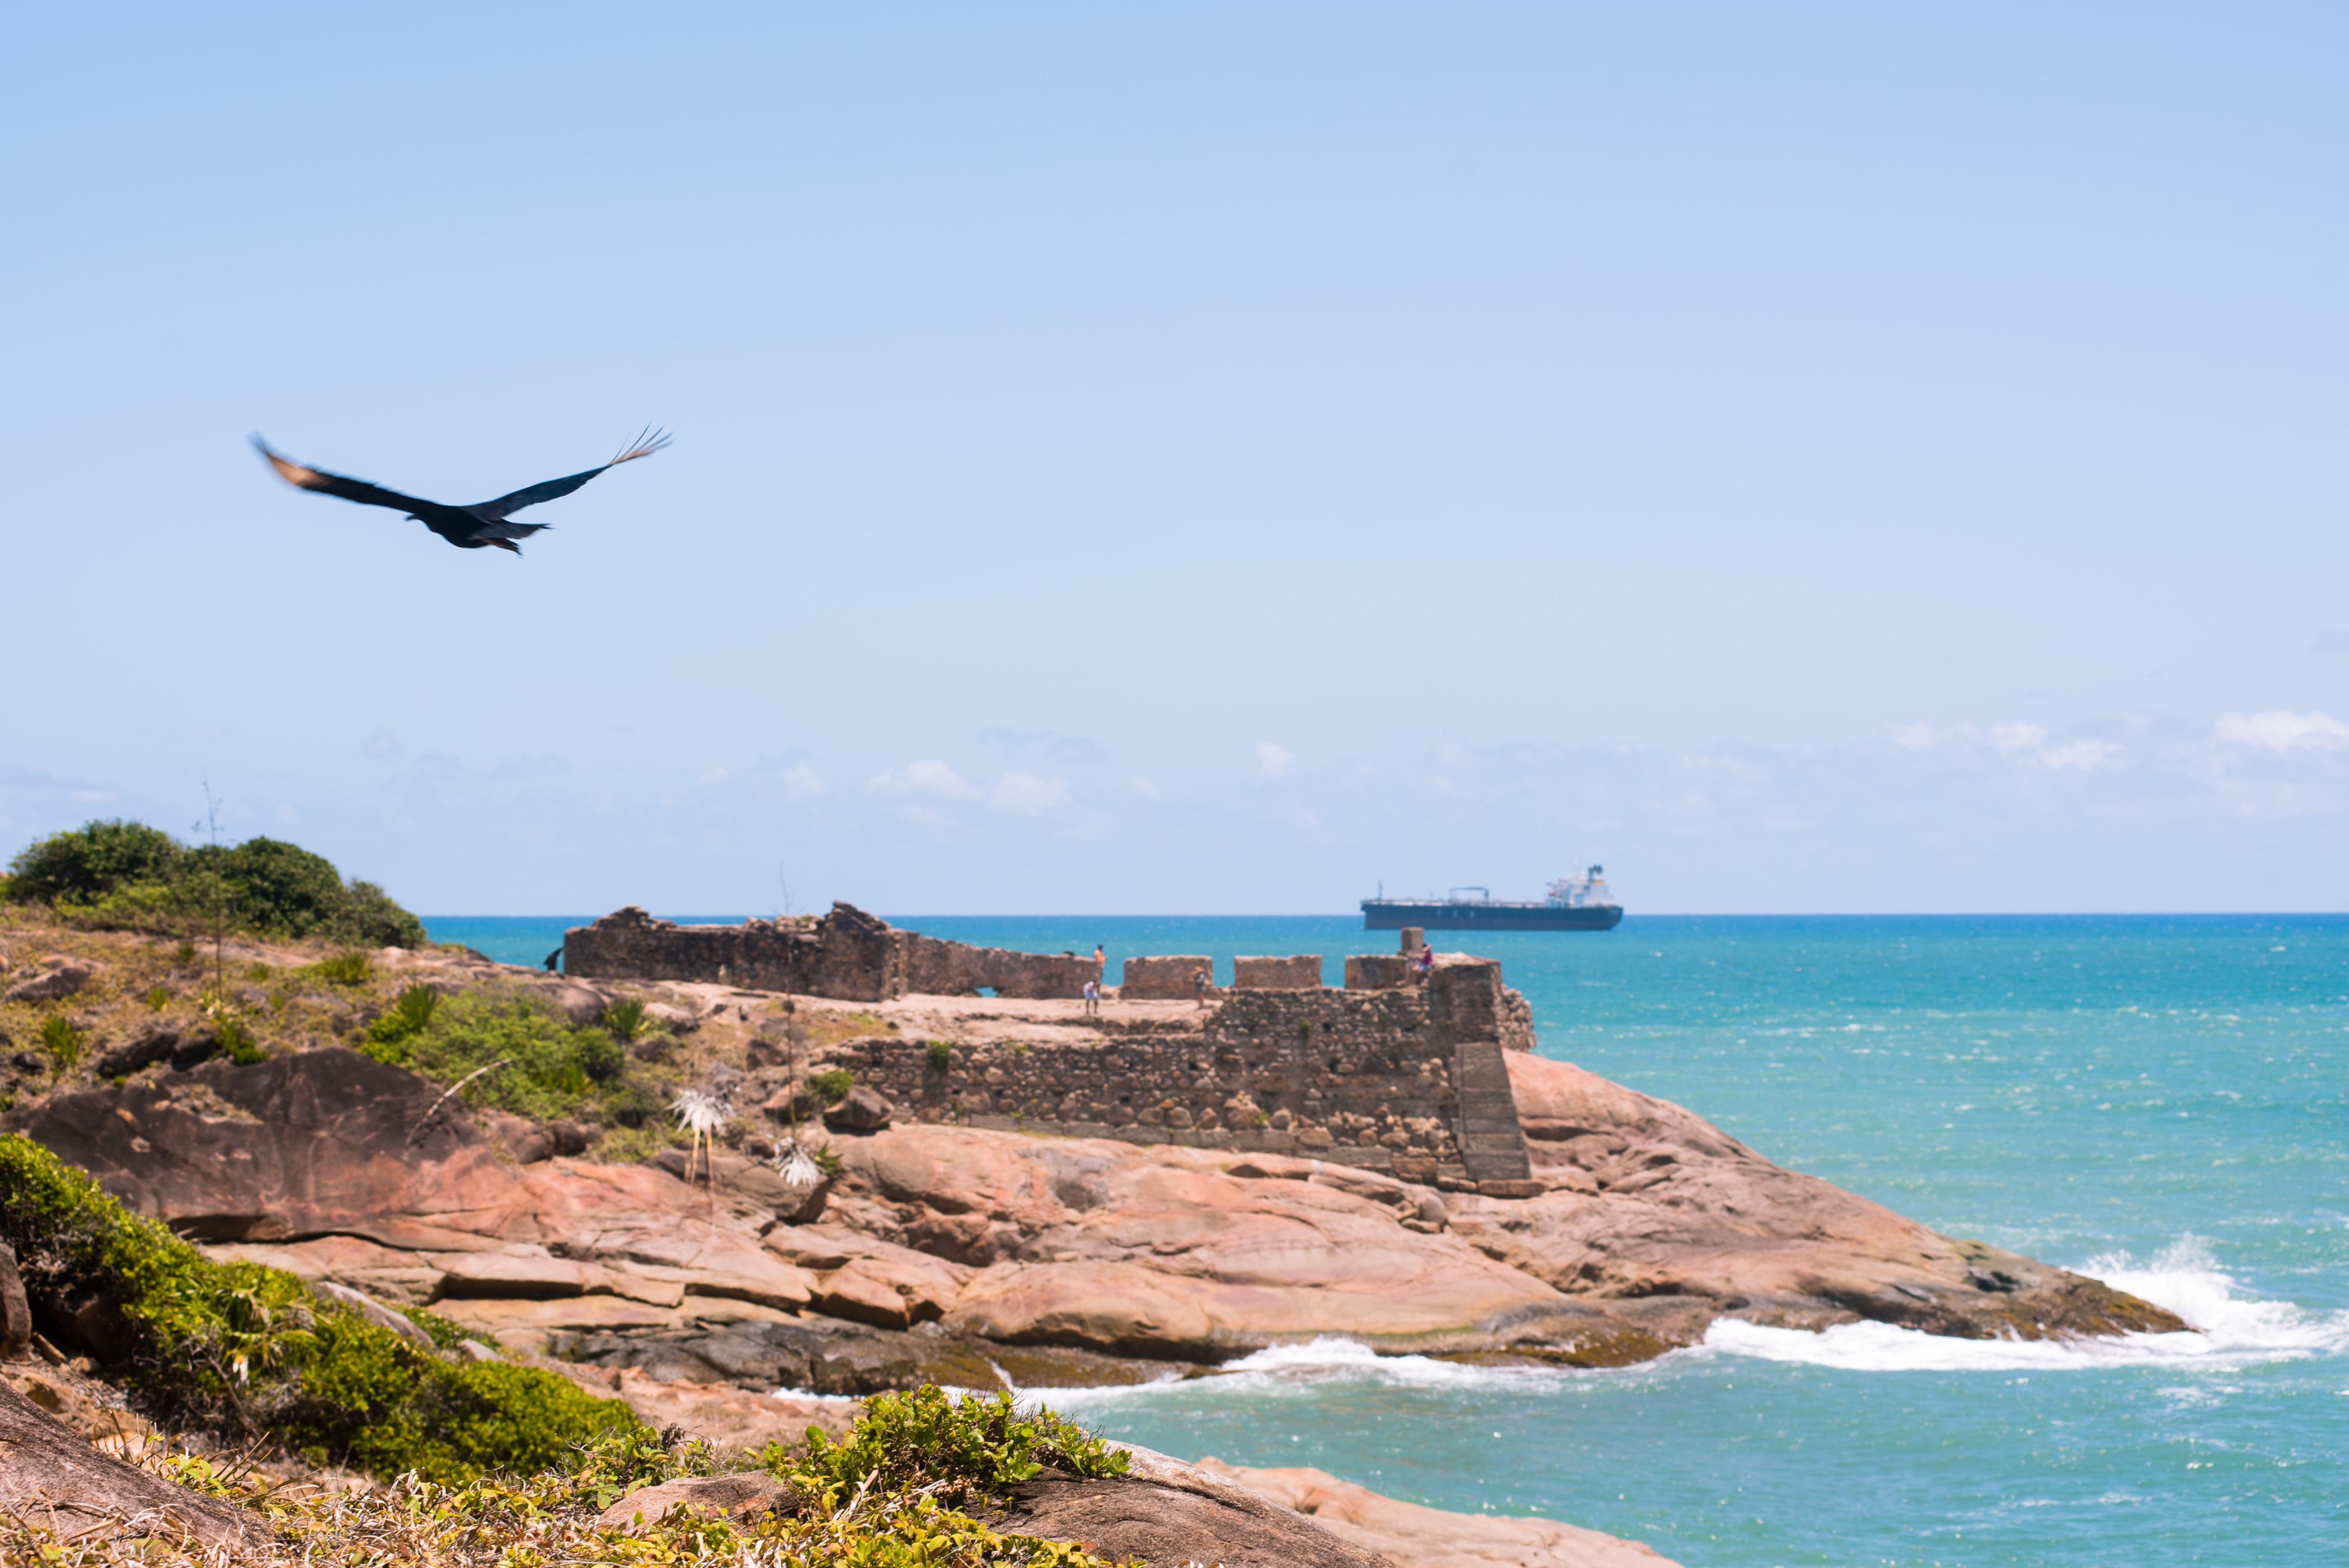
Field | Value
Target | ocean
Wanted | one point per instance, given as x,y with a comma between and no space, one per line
2162,1102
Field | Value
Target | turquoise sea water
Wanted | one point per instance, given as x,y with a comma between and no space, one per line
2162,1102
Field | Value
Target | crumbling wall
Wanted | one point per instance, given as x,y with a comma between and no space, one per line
934,967
1298,971
1378,971
1375,1078
848,955
1163,978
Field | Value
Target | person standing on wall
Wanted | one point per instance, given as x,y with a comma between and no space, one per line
1093,999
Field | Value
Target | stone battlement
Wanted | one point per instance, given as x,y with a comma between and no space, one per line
1406,1079
847,955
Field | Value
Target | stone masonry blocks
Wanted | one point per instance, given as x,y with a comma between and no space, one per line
1298,971
1164,979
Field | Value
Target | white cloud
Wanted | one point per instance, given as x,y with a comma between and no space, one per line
2083,756
929,777
2281,730
801,783
1145,788
1274,760
2018,737
1916,737
714,776
1029,794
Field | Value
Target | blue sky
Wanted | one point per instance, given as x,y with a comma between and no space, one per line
1201,459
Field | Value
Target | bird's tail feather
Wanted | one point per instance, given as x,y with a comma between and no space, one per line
648,442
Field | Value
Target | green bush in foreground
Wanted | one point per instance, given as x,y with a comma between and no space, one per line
238,1347
969,1452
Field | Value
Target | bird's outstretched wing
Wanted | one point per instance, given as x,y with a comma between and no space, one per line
645,445
335,484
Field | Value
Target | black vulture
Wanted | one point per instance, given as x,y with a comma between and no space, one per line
467,528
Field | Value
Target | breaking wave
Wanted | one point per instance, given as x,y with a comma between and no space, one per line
2228,1328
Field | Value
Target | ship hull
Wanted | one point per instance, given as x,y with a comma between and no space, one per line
1394,914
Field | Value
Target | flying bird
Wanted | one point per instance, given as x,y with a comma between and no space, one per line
467,528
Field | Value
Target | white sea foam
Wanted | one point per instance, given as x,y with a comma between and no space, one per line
2228,1329
1318,1363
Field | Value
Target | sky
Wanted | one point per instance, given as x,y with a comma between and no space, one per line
1198,459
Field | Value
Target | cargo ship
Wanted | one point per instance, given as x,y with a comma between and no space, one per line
1573,904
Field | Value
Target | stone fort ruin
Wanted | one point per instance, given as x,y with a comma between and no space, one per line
1400,1070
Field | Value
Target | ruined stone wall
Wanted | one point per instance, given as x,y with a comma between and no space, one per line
1378,971
848,955
1383,1079
1298,971
934,967
1163,978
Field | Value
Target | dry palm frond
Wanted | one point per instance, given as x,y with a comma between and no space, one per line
796,1168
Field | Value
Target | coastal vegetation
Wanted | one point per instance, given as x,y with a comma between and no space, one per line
514,1053
484,1460
127,876
251,1352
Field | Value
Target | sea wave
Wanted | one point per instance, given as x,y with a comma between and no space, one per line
1314,1363
2228,1328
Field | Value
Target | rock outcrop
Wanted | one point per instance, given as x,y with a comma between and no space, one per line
56,979
50,1475
1413,1536
1165,1512
1648,1223
1657,1214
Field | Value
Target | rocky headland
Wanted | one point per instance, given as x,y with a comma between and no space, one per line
969,1229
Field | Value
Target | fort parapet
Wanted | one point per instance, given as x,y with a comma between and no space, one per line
847,955
1401,1071
1409,1080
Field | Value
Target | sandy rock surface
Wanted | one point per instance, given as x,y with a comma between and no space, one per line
51,1474
1165,1512
1417,1537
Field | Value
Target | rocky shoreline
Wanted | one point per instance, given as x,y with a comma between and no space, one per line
936,1250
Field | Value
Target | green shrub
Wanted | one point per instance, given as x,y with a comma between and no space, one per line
411,1014
85,864
63,1042
130,876
627,1020
549,1069
344,968
832,1085
240,1347
368,918
941,1055
236,1042
967,1450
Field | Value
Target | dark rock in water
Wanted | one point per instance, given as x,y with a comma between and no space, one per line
49,1471
741,1498
861,1110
